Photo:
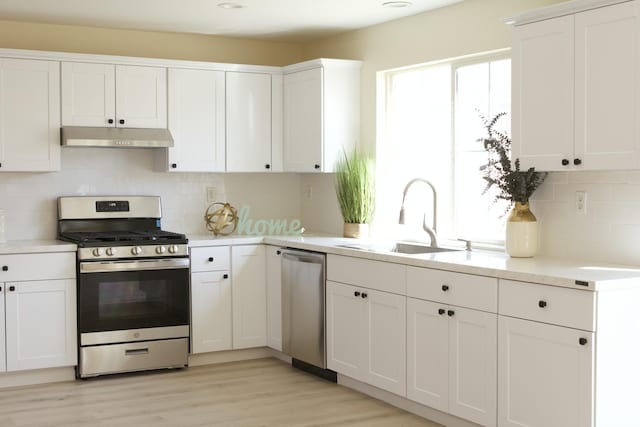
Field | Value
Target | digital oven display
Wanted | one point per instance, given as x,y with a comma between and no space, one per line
112,206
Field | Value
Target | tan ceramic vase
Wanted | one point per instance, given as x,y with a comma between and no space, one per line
521,240
357,231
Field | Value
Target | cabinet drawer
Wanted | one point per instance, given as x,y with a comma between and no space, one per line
20,267
549,304
464,290
382,276
212,258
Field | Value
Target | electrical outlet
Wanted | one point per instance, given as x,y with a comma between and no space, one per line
212,194
581,202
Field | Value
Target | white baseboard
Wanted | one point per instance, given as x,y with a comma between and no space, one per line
229,356
37,376
405,404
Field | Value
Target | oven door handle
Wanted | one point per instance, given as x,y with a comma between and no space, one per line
145,264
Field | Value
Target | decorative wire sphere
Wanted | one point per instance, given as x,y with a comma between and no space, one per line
221,218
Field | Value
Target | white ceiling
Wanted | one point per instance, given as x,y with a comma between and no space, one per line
284,20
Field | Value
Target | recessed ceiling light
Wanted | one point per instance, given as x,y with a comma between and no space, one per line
397,4
229,5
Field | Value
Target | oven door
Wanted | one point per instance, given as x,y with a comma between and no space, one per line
135,300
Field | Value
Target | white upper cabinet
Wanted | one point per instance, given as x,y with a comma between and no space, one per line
321,113
29,115
196,121
576,94
248,110
114,95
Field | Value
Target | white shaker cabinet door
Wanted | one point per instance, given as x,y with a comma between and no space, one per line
88,94
41,324
249,293
141,96
196,121
303,121
210,311
29,115
248,111
607,105
543,93
274,298
545,375
346,331
473,341
3,358
428,353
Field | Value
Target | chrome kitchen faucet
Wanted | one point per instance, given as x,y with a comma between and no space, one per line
431,231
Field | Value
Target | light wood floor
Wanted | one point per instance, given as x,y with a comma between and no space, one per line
263,392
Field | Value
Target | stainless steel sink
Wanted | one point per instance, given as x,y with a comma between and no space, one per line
397,247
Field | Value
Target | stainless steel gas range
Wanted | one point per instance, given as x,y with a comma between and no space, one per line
133,284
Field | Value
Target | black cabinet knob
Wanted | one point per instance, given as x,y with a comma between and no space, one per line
278,252
450,313
565,162
441,311
174,165
445,288
5,268
13,288
542,303
364,295
316,166
0,165
356,294
225,276
210,259
110,121
577,162
0,288
121,121
267,166
582,341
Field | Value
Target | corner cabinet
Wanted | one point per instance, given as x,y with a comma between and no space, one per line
321,113
196,109
39,311
576,91
107,95
29,115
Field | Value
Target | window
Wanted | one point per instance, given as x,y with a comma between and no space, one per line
431,124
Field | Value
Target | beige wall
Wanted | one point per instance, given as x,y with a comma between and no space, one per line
77,39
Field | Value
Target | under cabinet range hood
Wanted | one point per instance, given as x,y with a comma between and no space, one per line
78,136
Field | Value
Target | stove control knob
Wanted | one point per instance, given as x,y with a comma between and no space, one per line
97,252
137,250
160,250
173,249
110,251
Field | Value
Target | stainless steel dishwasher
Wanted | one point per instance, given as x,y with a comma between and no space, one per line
303,315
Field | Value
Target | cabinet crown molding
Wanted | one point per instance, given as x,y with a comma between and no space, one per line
556,10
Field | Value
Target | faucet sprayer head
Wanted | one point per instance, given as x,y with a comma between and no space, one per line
401,217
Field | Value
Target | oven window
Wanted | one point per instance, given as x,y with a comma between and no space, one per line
133,300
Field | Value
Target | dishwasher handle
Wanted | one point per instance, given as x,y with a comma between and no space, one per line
301,256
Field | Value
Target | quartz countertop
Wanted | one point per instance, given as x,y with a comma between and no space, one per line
550,271
35,246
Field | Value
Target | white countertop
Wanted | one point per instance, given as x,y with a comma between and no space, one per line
35,246
555,272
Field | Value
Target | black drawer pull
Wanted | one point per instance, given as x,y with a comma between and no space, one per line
225,276
12,288
445,288
542,303
356,294
582,341
110,121
441,311
278,252
210,259
450,313
565,162
364,295
5,268
174,165
121,121
316,166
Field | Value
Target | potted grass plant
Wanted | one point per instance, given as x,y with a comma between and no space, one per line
355,189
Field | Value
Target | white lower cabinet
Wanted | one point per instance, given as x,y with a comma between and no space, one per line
40,324
545,375
210,311
3,355
249,295
366,335
451,359
274,297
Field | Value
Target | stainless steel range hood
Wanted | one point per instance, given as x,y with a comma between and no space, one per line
77,136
